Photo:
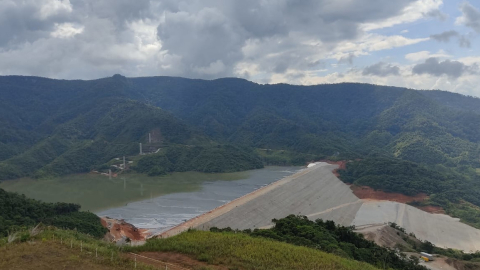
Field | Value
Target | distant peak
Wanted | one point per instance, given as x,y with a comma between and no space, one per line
118,76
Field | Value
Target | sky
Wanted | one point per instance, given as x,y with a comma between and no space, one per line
420,44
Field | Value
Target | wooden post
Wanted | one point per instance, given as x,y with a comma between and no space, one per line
111,259
135,261
96,252
81,246
71,243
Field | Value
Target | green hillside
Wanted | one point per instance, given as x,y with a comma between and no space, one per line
240,251
332,238
50,247
108,129
18,212
60,127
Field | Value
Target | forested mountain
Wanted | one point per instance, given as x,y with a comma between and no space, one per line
58,127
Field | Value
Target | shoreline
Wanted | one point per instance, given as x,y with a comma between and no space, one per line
194,222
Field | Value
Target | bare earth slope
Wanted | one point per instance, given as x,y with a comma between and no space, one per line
441,230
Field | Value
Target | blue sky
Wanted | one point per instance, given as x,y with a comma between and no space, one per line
421,44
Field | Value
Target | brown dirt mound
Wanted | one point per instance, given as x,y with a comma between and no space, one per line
432,209
364,192
368,193
120,229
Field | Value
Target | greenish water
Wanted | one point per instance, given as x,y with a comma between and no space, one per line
96,192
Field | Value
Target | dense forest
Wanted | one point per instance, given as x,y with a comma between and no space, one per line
53,127
212,159
18,212
329,237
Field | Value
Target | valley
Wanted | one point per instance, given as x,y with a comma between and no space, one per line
207,153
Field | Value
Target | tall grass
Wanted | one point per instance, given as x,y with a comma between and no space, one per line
240,251
83,246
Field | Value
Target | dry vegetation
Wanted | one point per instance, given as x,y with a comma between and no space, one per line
240,251
51,248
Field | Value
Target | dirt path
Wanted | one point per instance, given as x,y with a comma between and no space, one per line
192,223
440,263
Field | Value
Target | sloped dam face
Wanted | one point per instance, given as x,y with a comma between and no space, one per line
316,192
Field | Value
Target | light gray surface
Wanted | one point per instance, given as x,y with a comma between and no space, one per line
441,230
317,193
314,192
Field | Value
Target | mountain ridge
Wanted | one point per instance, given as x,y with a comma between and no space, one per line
346,120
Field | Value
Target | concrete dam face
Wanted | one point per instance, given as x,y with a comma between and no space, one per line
316,192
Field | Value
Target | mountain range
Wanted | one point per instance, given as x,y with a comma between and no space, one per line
57,126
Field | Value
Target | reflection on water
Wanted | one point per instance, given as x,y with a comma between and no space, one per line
95,192
149,202
168,210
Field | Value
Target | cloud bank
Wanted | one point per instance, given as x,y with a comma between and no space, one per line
300,42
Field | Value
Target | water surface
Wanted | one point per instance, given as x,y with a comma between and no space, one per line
149,202
96,192
169,210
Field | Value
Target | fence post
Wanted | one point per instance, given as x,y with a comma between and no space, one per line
96,252
81,246
135,261
71,243
111,259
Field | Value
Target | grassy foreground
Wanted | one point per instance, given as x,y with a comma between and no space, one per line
240,251
52,248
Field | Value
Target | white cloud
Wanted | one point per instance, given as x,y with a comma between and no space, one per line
264,41
370,43
66,30
422,55
470,60
410,13
54,7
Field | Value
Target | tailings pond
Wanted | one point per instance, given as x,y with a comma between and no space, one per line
149,202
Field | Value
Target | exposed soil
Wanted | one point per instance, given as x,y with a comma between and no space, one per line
364,192
368,193
120,230
432,209
174,261
462,265
385,236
